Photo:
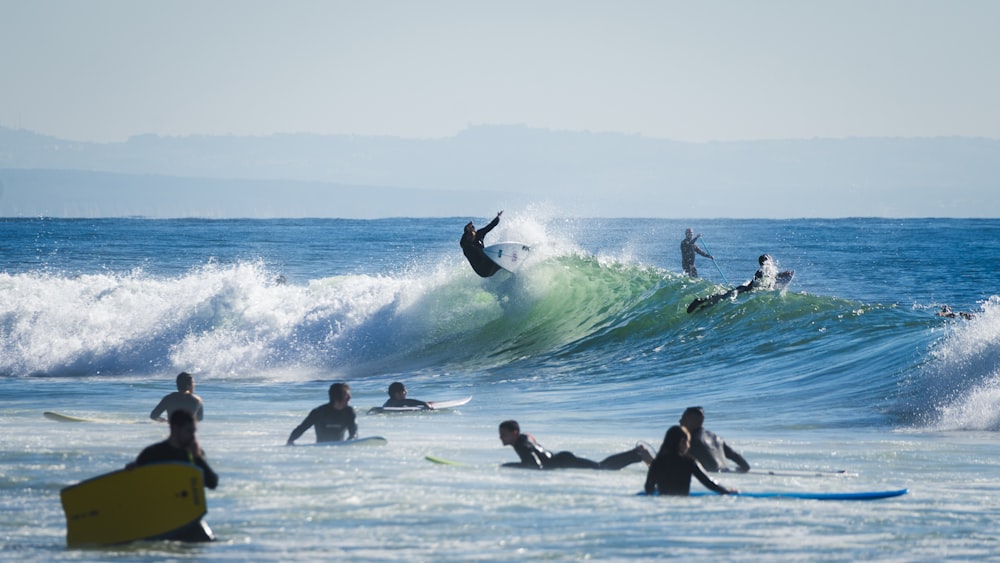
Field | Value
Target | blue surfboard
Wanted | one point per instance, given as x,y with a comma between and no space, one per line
866,495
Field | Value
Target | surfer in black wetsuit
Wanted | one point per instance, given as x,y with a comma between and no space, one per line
472,247
397,398
671,471
332,420
708,447
182,446
764,278
689,247
534,456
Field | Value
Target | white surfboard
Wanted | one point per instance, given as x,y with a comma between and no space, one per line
508,255
366,441
435,405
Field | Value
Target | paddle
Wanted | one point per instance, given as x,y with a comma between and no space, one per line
714,261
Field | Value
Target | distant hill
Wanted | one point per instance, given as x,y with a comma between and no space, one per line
487,167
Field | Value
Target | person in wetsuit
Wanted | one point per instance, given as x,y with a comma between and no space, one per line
184,398
534,456
397,398
671,471
472,247
764,278
707,447
332,420
182,446
689,247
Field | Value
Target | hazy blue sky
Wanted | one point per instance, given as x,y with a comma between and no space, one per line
681,70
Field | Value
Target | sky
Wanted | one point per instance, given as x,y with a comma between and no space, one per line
713,70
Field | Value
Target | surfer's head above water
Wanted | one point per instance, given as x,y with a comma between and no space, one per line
470,228
764,258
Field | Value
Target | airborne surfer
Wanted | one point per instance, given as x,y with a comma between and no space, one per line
472,247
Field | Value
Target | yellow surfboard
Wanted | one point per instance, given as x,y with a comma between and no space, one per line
147,502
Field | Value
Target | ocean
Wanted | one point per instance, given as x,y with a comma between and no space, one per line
848,380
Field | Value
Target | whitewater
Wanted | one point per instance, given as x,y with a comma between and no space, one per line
589,347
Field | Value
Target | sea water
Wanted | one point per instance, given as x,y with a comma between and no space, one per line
589,347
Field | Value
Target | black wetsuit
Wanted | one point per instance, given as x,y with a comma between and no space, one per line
688,248
670,474
164,451
397,403
331,424
711,451
472,247
534,456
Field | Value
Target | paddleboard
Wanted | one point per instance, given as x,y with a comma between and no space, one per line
436,405
58,417
866,495
154,501
508,255
367,441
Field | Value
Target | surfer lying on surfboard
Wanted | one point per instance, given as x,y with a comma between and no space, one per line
534,456
397,398
766,277
472,247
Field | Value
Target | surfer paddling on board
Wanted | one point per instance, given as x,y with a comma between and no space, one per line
689,246
766,277
671,471
332,420
534,456
472,247
397,398
708,447
184,398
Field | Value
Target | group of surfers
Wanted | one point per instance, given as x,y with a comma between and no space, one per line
688,449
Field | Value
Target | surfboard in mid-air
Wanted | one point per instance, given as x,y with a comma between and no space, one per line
781,282
865,495
508,255
158,501
435,405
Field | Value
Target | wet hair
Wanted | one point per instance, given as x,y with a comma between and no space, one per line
510,426
338,391
469,227
672,438
181,417
763,258
396,387
184,380
694,411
